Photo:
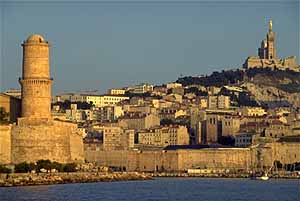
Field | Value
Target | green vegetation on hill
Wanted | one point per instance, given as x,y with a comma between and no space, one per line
290,87
215,79
286,80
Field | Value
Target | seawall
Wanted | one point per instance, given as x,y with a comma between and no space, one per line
20,179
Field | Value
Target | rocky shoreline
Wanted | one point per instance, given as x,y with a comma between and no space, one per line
9,180
29,179
216,175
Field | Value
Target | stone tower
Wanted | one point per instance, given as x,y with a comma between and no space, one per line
36,82
267,49
267,57
271,51
37,135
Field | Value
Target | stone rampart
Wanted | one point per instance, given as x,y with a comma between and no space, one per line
172,160
5,144
33,140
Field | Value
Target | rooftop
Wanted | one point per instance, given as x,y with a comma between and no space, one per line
35,38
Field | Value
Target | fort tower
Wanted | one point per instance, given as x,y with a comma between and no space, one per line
36,82
37,135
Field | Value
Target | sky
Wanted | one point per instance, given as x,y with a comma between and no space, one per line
97,45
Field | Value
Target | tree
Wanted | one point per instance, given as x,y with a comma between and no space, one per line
3,115
43,164
4,169
24,167
69,167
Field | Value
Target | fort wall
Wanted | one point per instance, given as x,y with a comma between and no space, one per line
36,139
261,157
5,144
172,160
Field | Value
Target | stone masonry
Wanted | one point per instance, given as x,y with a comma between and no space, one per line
36,135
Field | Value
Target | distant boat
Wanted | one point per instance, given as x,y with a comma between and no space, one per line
264,177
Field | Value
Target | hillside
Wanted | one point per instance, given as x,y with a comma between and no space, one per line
261,85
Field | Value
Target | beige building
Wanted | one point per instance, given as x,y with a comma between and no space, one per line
79,115
141,88
213,128
164,136
218,102
252,111
116,138
144,109
11,105
212,90
173,85
230,125
116,91
139,121
203,103
171,113
14,92
278,129
99,100
108,113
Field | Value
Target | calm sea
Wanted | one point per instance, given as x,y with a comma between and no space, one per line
162,189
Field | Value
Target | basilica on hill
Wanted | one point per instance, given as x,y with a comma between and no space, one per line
267,57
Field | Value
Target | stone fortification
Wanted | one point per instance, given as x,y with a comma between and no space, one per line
5,144
35,139
255,158
172,160
36,82
36,135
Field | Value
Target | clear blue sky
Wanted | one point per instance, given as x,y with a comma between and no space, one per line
99,45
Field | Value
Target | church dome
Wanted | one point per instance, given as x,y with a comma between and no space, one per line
35,38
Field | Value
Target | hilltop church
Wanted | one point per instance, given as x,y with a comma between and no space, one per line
267,57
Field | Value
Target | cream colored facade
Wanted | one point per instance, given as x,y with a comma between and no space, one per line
253,111
212,90
12,105
116,138
139,121
99,100
230,125
164,136
203,103
141,88
173,85
220,102
14,92
116,91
